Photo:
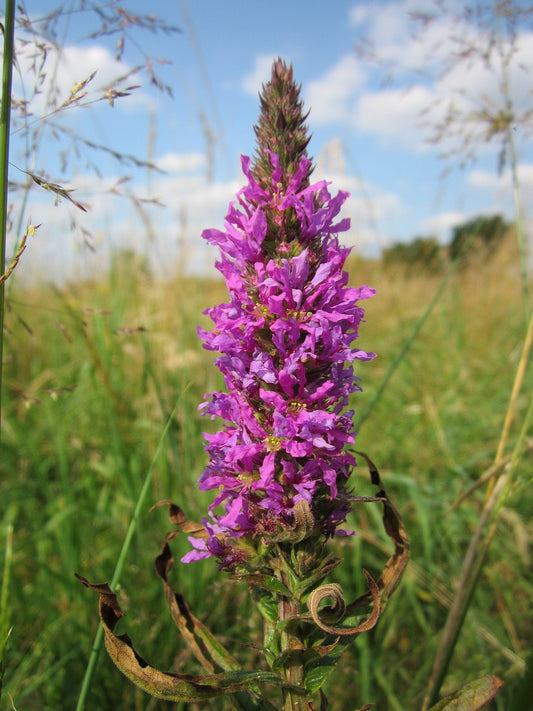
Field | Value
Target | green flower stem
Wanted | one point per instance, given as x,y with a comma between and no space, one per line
291,637
4,596
5,121
513,164
290,643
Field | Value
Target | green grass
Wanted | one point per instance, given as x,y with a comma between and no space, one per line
92,373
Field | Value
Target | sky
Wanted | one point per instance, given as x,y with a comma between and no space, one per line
377,83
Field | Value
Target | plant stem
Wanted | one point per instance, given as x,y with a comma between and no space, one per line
291,645
5,121
513,162
293,670
522,251
4,598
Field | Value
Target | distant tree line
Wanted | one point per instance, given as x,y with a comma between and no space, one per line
480,236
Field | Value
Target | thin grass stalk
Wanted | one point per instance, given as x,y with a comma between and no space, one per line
97,644
522,252
478,548
5,123
519,378
4,594
513,163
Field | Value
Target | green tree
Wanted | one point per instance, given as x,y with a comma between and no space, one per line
421,252
481,233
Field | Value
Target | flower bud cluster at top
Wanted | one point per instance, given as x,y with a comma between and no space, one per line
285,343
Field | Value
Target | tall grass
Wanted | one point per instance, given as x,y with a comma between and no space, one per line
90,382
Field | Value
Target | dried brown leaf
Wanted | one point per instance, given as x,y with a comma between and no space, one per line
162,685
334,591
392,521
472,697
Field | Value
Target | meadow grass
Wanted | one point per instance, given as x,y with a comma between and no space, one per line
92,373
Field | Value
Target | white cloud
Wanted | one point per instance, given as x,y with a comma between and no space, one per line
486,180
359,14
252,82
332,97
179,163
387,29
169,233
373,210
445,63
393,114
441,224
499,185
387,22
525,175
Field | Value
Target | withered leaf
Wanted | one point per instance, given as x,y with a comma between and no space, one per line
203,644
179,519
392,521
472,697
339,608
164,685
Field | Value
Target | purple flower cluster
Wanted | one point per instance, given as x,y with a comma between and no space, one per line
285,344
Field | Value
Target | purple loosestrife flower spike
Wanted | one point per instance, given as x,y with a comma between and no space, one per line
281,128
280,465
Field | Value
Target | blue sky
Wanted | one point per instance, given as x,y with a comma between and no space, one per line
368,136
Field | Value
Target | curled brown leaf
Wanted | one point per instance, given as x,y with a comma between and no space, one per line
337,611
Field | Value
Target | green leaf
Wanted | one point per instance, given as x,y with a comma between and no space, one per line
271,643
471,697
267,604
317,670
268,582
312,579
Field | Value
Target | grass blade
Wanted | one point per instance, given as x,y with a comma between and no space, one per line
414,333
97,644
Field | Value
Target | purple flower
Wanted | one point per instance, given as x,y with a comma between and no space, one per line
285,344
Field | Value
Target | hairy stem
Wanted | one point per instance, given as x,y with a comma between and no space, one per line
292,700
291,649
